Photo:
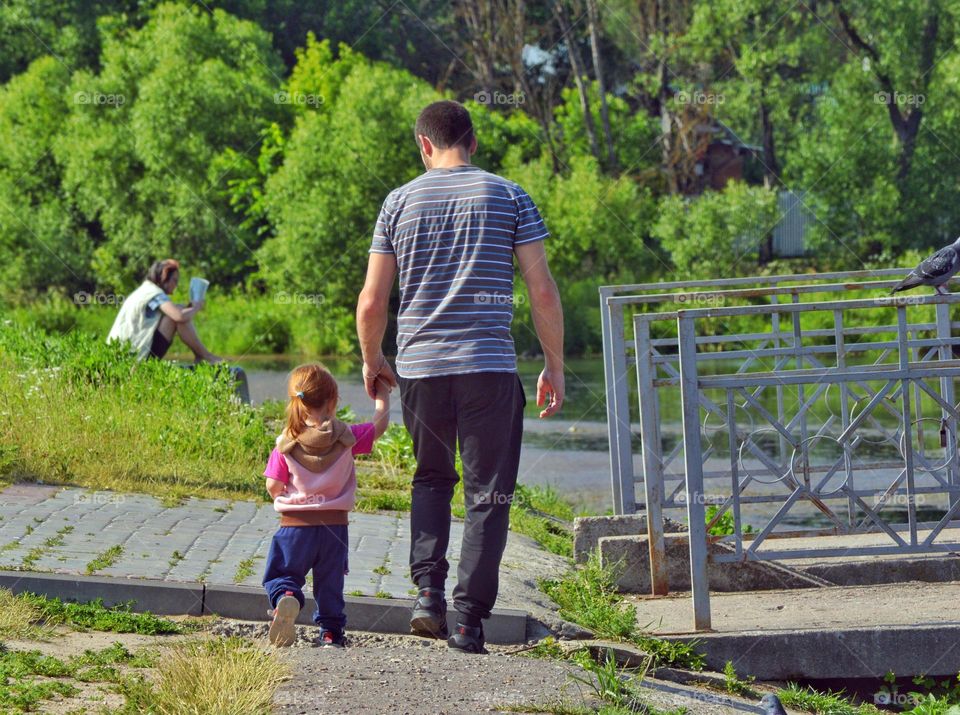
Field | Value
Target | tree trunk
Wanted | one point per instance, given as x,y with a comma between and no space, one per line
592,20
771,171
560,12
905,126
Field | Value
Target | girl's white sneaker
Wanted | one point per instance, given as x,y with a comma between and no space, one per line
283,632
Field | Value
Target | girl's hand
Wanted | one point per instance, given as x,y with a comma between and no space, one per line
382,389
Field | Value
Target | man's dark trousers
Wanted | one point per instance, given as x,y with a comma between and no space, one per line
483,412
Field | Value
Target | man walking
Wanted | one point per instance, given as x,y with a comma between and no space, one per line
451,234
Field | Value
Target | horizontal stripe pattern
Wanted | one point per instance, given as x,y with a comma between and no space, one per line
453,232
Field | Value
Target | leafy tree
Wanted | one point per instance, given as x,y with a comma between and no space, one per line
30,29
141,146
340,161
718,234
42,240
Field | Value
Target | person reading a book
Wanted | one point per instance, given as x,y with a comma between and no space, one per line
148,319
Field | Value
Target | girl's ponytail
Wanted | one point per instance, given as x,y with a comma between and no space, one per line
309,386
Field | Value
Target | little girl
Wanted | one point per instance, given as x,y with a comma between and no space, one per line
312,480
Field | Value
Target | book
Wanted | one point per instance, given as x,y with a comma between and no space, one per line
198,289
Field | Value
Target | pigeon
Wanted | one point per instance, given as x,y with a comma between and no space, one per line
934,271
771,705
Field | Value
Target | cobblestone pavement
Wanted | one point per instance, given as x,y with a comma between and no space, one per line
71,530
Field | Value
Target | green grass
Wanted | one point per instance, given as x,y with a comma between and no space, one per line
75,408
105,559
20,692
93,615
587,595
829,703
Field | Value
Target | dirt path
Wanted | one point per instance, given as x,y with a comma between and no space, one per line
404,675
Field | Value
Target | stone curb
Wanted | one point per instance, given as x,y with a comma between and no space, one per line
165,598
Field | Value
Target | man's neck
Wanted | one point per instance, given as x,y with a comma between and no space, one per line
449,160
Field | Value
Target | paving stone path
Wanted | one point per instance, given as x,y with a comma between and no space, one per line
71,530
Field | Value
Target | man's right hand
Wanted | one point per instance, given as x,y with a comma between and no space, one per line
370,379
551,382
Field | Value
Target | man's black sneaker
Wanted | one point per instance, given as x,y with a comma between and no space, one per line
429,617
332,639
468,639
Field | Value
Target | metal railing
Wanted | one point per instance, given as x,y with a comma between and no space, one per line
782,377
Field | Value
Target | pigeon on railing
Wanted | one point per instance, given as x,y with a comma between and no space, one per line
771,705
934,271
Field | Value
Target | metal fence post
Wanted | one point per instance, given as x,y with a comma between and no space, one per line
945,336
652,461
690,397
618,410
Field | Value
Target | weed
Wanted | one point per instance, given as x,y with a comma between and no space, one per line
382,570
36,553
736,685
105,559
244,570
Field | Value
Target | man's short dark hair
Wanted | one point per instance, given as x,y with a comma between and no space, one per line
446,124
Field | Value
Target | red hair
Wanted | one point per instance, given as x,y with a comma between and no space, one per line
309,386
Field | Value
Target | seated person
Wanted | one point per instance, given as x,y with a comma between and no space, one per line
148,319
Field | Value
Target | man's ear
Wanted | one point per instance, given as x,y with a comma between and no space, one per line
473,145
425,145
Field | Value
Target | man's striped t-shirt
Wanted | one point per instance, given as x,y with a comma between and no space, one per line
453,232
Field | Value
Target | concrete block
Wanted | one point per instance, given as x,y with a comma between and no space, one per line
588,530
836,652
631,556
159,597
382,615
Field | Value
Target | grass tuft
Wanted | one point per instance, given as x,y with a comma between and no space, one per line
587,595
828,703
105,559
227,676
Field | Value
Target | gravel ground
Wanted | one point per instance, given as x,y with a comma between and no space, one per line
406,675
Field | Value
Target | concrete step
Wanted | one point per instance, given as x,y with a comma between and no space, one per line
834,632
